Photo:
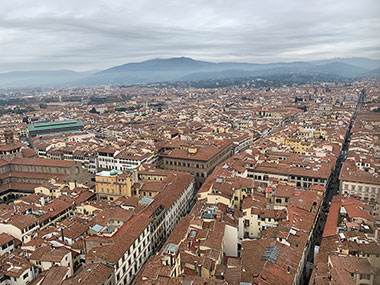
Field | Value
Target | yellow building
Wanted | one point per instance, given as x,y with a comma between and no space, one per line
298,145
110,185
230,192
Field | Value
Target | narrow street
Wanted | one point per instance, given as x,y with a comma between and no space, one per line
333,186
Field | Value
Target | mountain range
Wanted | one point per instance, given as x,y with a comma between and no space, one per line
188,69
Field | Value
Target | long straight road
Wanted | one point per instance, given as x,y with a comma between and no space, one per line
333,187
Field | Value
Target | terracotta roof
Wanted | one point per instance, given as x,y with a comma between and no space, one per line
97,273
55,275
11,147
43,162
5,238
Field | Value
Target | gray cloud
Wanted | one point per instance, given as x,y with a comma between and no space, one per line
81,35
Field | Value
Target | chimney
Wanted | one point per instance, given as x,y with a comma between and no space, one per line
63,237
200,270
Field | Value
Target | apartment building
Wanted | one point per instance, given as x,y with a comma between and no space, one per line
111,185
359,183
127,253
16,269
256,218
197,159
302,175
108,158
169,205
7,243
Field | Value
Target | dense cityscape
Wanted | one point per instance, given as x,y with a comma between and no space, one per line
180,185
189,142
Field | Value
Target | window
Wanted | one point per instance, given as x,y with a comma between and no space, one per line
365,276
25,276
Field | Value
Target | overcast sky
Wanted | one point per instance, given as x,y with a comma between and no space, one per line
96,34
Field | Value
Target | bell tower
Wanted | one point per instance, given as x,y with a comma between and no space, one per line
9,138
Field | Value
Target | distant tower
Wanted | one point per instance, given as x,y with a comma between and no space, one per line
9,138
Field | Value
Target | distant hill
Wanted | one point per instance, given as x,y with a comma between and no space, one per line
41,78
374,73
184,68
362,62
339,68
170,64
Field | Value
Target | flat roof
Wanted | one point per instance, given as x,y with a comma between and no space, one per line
106,173
97,228
54,125
170,248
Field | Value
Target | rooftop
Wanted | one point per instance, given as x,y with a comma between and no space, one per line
51,125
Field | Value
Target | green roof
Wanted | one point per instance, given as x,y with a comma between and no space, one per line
51,125
109,173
